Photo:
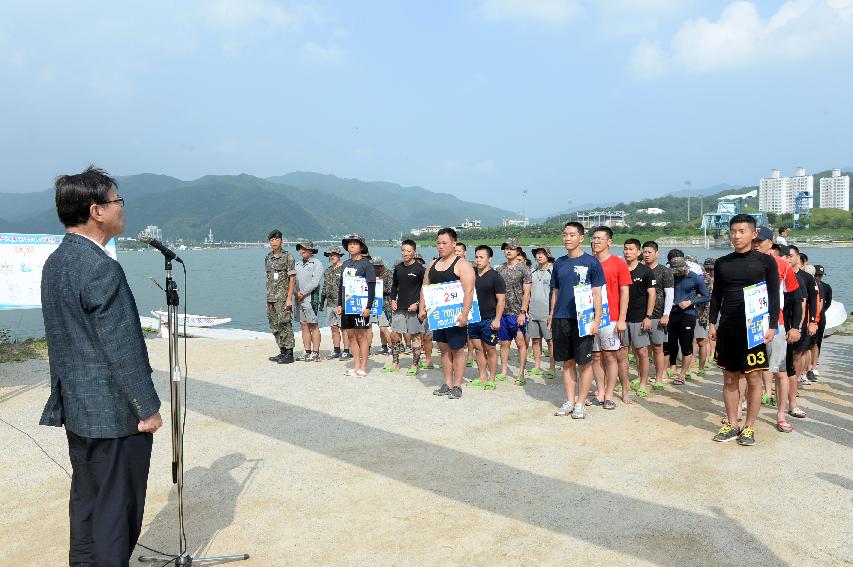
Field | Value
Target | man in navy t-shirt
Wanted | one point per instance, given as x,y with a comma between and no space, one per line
575,268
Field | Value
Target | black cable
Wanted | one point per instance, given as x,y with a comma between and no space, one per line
184,418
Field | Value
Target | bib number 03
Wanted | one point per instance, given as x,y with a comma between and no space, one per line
756,358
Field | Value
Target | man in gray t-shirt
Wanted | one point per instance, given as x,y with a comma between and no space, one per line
309,277
540,307
664,290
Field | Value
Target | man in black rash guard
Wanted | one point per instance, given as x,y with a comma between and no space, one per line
732,273
406,285
357,326
808,327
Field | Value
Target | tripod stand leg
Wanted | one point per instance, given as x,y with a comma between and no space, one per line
187,560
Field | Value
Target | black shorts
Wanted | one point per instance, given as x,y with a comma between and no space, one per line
731,352
568,344
818,338
354,322
805,342
455,337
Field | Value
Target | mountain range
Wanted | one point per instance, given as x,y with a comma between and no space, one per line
245,208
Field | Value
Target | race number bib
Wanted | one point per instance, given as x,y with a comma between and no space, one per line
757,313
444,304
586,309
355,296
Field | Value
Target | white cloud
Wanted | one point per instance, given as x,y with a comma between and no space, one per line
741,38
648,60
485,166
312,52
245,13
552,12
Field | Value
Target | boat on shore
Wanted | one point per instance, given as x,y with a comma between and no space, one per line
191,320
835,316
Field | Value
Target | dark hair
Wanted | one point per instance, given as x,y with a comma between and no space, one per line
673,253
603,228
635,242
782,229
522,253
795,248
651,244
449,232
488,250
742,218
575,224
75,194
409,242
776,247
804,258
462,244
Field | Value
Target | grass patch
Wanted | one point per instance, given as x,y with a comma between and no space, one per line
12,350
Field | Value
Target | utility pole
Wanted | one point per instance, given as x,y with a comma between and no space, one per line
689,186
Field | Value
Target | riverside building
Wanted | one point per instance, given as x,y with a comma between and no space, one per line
835,191
776,194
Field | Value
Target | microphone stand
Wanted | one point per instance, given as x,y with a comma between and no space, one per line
182,558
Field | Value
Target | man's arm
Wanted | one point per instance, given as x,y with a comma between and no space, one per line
624,297
466,276
525,301
422,302
107,299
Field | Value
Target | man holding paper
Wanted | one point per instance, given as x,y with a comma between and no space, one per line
449,268
746,284
573,326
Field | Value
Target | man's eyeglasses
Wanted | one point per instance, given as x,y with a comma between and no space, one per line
120,201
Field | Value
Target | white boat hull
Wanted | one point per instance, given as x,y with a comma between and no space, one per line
835,316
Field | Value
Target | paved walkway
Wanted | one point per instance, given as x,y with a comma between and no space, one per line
299,465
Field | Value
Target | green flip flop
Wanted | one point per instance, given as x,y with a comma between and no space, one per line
550,374
642,392
635,383
390,369
412,372
477,383
658,385
469,364
425,367
500,377
489,386
535,372
520,381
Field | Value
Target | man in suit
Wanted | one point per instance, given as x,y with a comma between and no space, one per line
100,378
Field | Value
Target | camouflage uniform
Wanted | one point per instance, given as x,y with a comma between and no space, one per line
331,286
279,269
703,309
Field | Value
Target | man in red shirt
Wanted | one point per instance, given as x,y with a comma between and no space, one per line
777,350
607,344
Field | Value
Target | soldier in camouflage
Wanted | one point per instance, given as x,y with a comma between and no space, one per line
383,320
280,281
329,300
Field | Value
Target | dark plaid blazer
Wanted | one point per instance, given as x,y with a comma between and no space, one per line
100,377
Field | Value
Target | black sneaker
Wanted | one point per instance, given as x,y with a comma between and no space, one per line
455,393
346,356
333,356
811,376
443,391
286,357
746,437
276,357
726,433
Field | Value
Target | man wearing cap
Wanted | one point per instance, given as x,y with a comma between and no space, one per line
690,291
357,325
329,302
516,275
700,332
280,282
383,320
309,276
540,296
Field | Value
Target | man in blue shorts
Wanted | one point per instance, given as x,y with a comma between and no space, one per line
573,350
516,274
491,294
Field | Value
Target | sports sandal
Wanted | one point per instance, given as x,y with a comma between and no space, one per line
609,404
468,364
677,382
535,372
476,382
412,372
427,367
390,369
635,383
520,381
550,374
784,426
658,384
797,412
500,377
489,386
642,392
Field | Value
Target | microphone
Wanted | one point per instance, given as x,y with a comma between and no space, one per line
154,243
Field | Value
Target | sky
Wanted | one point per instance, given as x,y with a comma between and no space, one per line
573,101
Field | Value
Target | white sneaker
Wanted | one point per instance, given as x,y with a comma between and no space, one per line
564,410
578,412
361,374
349,372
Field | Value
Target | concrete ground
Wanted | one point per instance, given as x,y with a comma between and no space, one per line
300,465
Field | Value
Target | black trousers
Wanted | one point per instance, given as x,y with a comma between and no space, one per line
680,333
108,485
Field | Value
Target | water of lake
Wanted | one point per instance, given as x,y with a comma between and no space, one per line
230,282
